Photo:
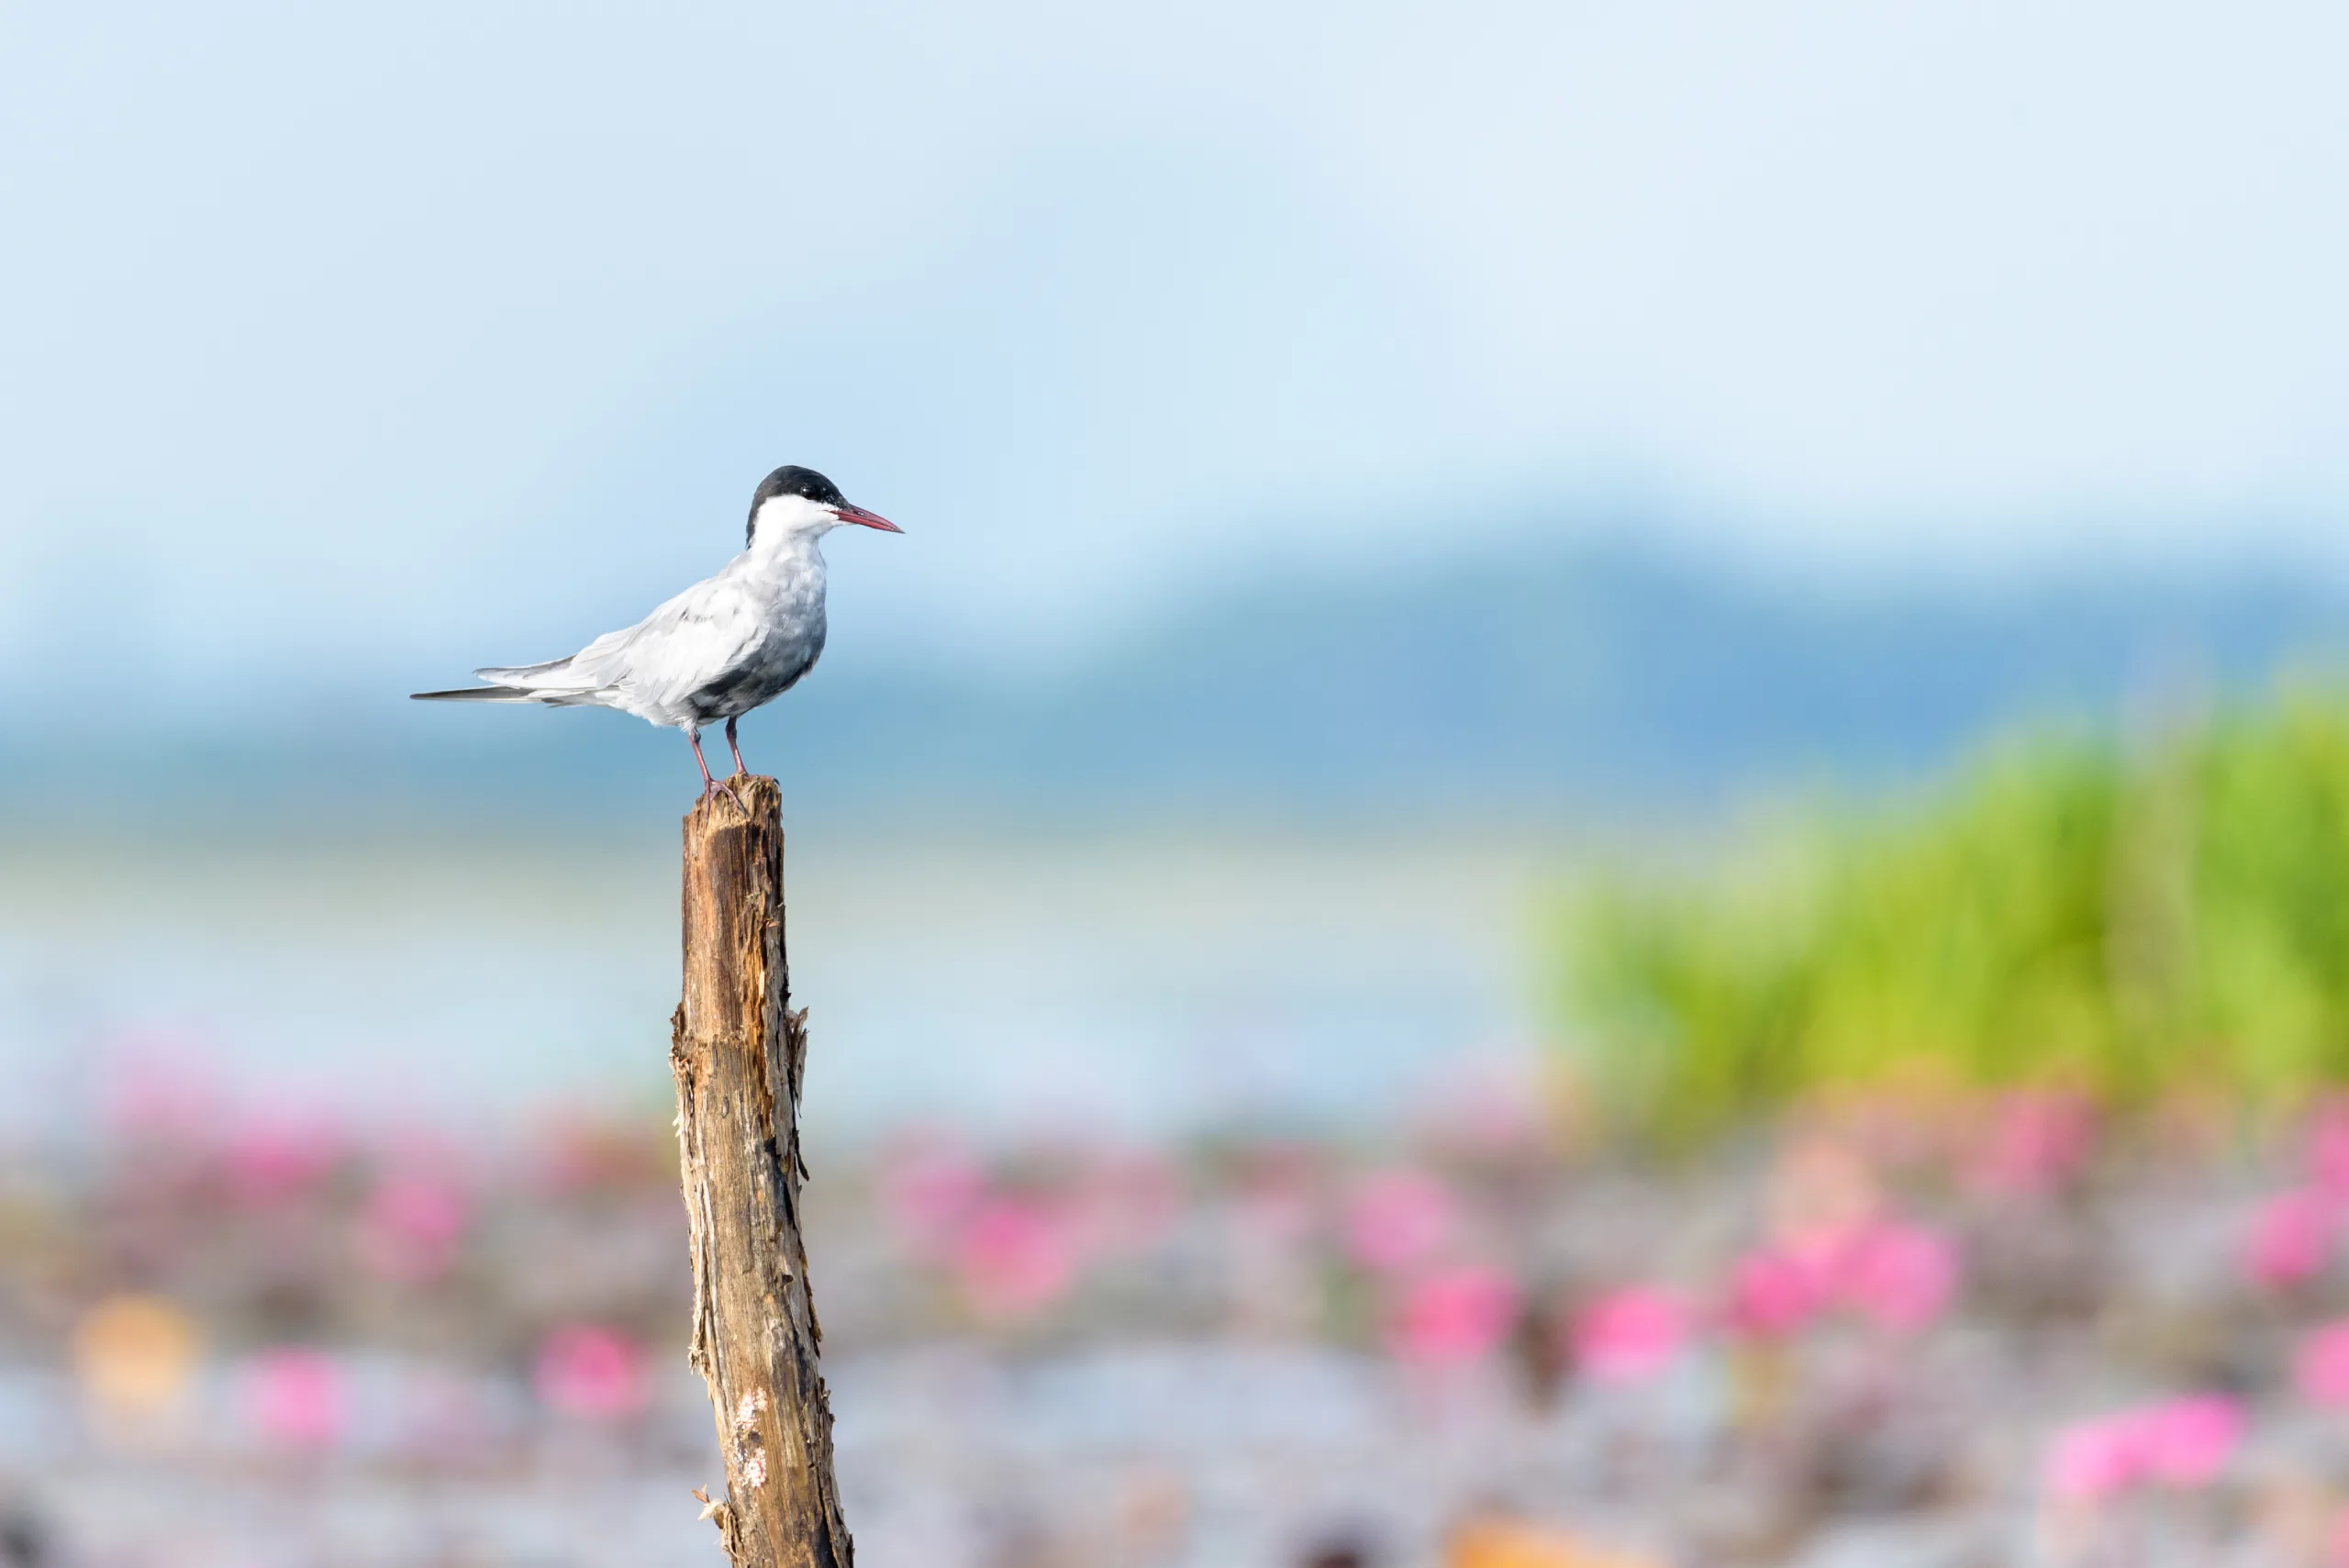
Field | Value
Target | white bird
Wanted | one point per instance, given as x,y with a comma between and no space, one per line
727,644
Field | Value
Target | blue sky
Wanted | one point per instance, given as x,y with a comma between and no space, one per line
372,342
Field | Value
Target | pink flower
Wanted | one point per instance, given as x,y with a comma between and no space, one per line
1013,1258
2092,1461
2321,1364
596,1375
928,1190
1774,1293
1629,1335
276,1158
2036,1142
1454,1316
2291,1238
2321,1367
1897,1276
2325,1147
2187,1442
1398,1219
410,1228
296,1398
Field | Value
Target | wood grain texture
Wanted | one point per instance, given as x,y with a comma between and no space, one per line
738,1053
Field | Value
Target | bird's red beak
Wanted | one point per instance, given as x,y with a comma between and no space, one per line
849,514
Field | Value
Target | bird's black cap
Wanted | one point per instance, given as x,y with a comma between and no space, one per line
791,479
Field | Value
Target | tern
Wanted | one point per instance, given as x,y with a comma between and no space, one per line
729,643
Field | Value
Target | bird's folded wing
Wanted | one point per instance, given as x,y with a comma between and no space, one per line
685,645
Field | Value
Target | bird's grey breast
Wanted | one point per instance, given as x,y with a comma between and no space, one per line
789,639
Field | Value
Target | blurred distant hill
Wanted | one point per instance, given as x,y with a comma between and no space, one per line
1591,679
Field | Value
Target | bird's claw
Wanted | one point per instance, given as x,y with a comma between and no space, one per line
717,787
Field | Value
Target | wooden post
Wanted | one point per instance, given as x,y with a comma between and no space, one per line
738,1053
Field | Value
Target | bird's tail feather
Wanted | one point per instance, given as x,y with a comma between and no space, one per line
518,682
479,694
525,674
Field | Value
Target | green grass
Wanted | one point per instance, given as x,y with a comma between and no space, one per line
2124,922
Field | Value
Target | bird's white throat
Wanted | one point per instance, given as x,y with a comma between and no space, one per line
790,522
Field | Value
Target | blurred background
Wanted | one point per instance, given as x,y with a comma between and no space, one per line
1598,817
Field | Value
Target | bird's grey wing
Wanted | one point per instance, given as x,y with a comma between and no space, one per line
554,674
591,669
682,646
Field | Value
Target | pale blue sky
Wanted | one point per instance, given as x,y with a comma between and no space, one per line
395,338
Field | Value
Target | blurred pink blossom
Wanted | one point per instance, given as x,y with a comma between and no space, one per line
280,1156
2184,1442
1629,1335
1014,1257
2320,1366
1459,1315
1774,1293
927,1190
2291,1237
2036,1142
410,1228
1896,1275
593,1373
2188,1440
296,1398
2324,1146
1398,1220
2092,1461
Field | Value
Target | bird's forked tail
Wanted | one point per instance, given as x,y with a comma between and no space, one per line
512,682
480,694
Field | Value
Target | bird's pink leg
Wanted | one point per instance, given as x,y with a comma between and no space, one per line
710,786
733,748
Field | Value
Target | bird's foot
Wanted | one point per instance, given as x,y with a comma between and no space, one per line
717,787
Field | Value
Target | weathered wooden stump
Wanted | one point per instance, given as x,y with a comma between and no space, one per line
738,1053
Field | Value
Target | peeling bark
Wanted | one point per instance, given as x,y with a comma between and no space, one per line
740,1053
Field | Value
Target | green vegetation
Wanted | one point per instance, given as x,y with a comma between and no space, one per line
2125,921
